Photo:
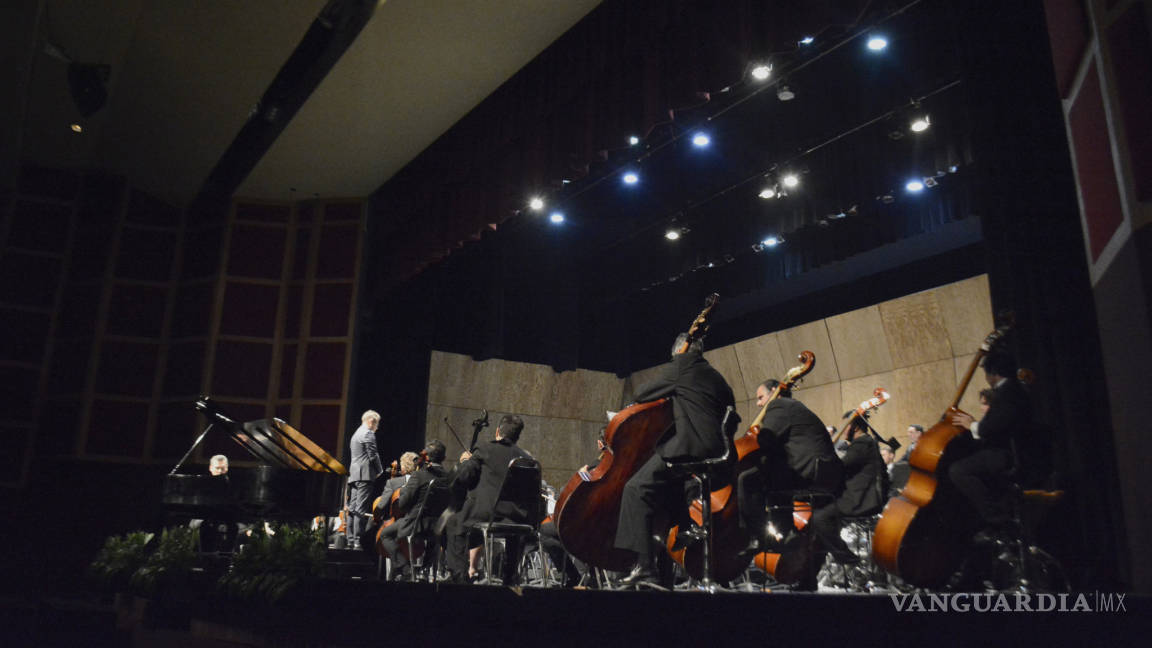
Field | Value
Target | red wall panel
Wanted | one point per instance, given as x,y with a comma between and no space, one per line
256,251
242,369
117,428
1094,169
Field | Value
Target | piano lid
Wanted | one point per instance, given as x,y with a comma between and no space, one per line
272,441
290,448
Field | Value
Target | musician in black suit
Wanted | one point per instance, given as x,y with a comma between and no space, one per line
795,453
481,474
982,476
700,398
410,496
865,492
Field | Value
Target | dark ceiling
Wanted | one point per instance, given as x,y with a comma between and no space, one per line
604,288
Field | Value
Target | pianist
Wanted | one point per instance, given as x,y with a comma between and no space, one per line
218,465
216,535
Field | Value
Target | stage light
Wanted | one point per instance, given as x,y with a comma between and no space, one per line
807,40
914,186
761,71
771,241
631,178
784,93
672,234
953,169
768,192
556,217
76,128
790,180
920,123
633,140
877,43
700,140
930,182
536,204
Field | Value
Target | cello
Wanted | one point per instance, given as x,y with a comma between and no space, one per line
587,512
728,539
923,530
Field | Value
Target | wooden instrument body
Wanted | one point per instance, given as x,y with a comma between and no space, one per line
587,511
788,568
922,531
386,516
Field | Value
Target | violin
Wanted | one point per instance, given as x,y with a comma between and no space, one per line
587,512
728,538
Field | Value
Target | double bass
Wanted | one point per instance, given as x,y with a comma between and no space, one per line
587,511
922,531
728,539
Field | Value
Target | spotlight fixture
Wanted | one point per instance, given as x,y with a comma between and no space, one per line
76,127
536,204
807,40
877,43
930,181
633,140
790,180
768,192
772,241
784,93
672,234
761,71
556,217
631,178
914,186
700,140
919,123
887,199
953,169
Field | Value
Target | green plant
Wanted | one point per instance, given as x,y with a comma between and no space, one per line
173,559
272,564
120,557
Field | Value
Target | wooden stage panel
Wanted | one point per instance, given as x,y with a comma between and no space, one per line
967,311
760,359
811,337
915,329
859,343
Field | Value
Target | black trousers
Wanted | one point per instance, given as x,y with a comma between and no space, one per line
654,491
389,539
982,477
550,541
459,539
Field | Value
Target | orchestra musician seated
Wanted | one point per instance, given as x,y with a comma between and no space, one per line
481,474
410,495
797,454
865,492
983,477
654,499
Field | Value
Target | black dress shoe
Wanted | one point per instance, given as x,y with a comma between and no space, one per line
641,574
687,536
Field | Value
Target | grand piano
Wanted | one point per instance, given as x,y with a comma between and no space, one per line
295,481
